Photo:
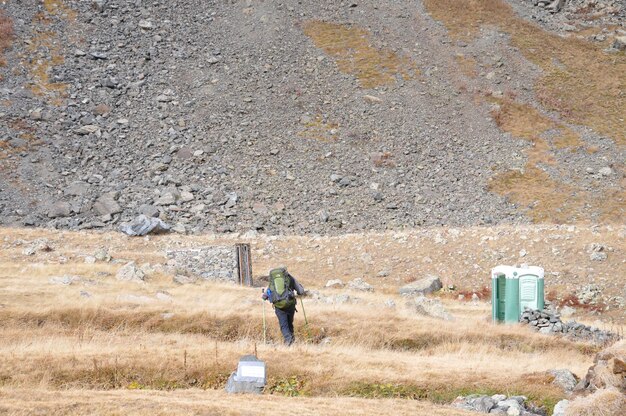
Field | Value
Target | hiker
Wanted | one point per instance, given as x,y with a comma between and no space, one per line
280,293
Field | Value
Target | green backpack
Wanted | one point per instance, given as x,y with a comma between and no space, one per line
280,284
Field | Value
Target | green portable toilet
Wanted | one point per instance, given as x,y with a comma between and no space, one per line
513,289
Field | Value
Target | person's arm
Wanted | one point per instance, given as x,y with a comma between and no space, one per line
265,294
297,286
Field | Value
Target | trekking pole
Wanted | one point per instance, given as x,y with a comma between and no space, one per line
264,325
306,321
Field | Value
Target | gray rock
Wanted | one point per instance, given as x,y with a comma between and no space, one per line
38,246
184,280
598,256
334,283
510,404
59,209
77,188
429,307
424,286
130,273
360,284
565,379
167,198
143,225
107,205
98,55
560,409
88,129
149,210
102,254
619,43
64,280
589,294
145,24
99,5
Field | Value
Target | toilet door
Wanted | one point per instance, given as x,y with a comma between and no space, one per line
501,296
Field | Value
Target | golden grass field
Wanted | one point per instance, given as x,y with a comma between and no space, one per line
122,350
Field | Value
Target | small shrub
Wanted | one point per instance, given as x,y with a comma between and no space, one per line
292,386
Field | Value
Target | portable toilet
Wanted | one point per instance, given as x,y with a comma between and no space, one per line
513,289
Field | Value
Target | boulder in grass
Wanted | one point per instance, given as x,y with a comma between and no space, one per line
564,379
423,286
429,307
131,273
360,284
334,283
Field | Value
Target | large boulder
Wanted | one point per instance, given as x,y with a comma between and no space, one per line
429,307
107,205
424,286
59,209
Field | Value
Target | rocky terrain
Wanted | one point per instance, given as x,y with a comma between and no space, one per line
287,117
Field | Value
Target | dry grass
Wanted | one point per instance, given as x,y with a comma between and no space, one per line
319,129
544,198
201,402
60,9
467,65
352,50
6,36
44,51
605,402
54,343
571,85
42,62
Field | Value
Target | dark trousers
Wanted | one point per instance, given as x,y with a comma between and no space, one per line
285,320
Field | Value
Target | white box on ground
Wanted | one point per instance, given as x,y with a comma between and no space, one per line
251,370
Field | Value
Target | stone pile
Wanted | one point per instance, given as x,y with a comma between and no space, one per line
211,263
608,370
549,322
498,404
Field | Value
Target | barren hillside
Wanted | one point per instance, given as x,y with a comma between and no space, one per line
299,117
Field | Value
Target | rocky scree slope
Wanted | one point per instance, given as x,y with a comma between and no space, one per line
231,116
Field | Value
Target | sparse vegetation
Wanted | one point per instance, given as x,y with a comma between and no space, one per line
6,36
467,65
572,84
351,48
